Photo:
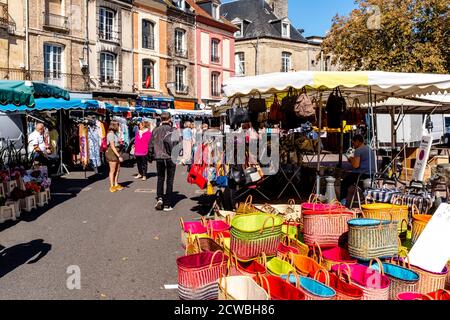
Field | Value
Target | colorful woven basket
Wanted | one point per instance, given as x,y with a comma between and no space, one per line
253,234
375,285
240,288
313,289
382,211
372,238
345,290
277,266
325,227
278,289
419,222
402,279
336,255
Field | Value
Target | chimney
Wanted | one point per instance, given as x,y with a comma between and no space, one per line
279,7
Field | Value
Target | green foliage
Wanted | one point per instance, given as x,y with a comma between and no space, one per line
406,36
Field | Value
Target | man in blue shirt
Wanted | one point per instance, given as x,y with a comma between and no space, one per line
363,164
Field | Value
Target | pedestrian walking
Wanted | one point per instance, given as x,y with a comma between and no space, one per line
187,143
113,156
161,146
141,146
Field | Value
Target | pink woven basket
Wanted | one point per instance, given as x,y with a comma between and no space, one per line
202,269
375,285
325,227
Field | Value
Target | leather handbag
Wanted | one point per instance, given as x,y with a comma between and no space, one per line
257,104
336,108
289,101
275,113
238,114
304,108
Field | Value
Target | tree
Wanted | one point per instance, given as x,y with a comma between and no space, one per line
392,35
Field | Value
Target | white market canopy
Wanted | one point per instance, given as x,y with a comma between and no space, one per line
383,84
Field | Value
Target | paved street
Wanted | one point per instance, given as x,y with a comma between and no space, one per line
123,247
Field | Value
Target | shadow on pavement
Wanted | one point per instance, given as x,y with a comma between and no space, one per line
62,189
24,253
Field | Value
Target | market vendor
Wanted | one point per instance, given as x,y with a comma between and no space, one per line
40,151
363,167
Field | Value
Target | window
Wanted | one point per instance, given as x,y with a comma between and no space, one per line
215,50
52,61
240,32
240,63
180,86
106,25
286,62
285,28
148,35
148,70
216,11
180,41
107,67
215,91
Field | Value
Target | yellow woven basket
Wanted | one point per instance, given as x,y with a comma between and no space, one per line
382,211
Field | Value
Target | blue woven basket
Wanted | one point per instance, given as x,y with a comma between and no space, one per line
313,289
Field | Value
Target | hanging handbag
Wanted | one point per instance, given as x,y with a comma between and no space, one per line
238,114
304,108
257,104
289,101
275,113
336,108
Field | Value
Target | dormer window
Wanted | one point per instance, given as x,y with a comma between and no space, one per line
240,32
181,4
216,11
285,30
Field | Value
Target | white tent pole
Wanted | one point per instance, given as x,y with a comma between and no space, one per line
319,148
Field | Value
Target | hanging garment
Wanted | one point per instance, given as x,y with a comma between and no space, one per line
94,147
102,136
84,147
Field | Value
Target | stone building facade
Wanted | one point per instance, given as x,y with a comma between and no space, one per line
267,41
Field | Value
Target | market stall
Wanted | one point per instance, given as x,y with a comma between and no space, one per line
314,251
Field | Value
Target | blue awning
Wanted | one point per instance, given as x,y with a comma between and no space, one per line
156,98
51,104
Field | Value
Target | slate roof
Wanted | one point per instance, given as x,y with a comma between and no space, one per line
260,20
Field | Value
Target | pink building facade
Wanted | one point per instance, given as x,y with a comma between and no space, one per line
214,56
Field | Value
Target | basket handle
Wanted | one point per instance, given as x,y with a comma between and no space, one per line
221,277
291,202
379,263
349,271
442,292
316,245
297,280
214,255
286,240
264,224
262,259
204,222
426,295
260,277
325,272
182,223
249,199
414,209
312,198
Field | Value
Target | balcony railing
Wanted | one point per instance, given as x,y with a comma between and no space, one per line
107,35
215,93
4,15
182,53
68,81
110,82
54,21
215,59
181,88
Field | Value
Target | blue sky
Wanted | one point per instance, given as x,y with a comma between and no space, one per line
314,16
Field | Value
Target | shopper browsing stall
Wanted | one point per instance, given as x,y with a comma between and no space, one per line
142,141
113,156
